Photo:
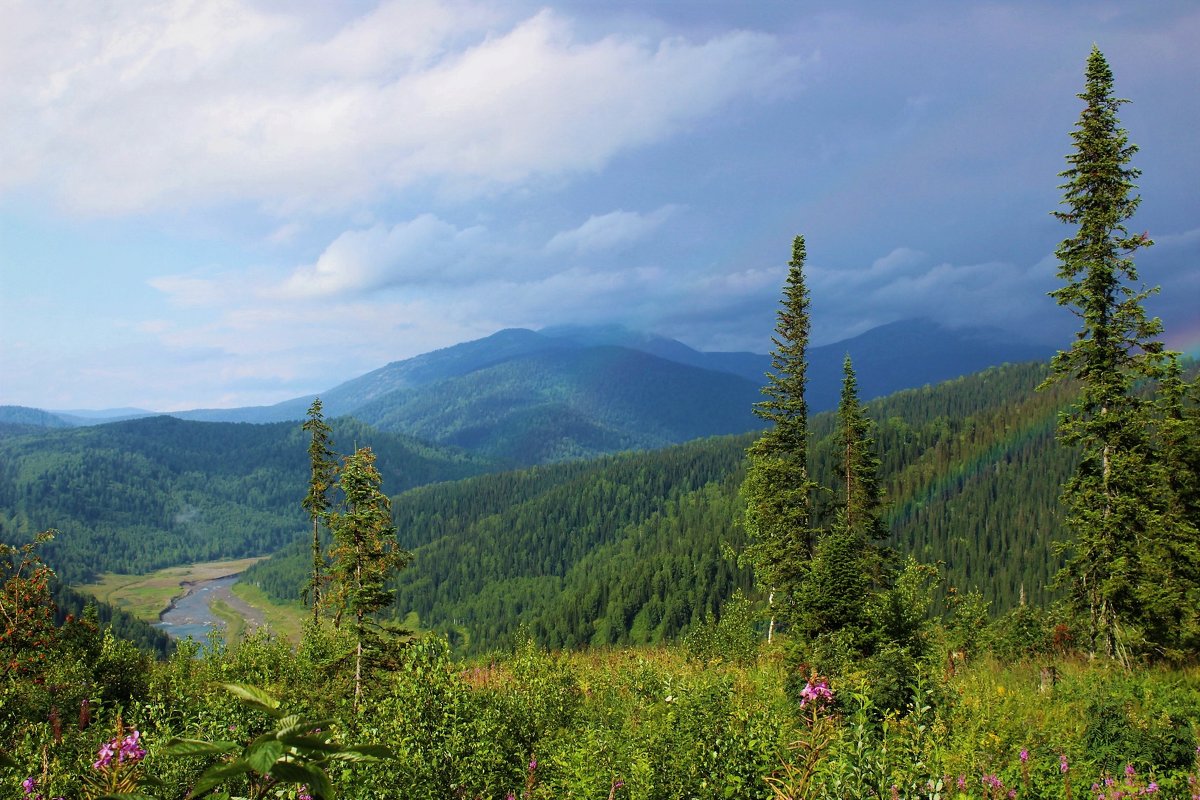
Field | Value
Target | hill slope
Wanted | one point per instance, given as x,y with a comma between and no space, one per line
636,548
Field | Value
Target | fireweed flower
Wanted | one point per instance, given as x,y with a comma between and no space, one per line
1024,755
127,749
818,693
29,785
1062,764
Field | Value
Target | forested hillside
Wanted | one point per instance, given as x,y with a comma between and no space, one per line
639,547
143,494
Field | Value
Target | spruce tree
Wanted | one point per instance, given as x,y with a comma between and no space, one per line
1109,498
861,504
365,553
1170,590
848,564
777,489
316,502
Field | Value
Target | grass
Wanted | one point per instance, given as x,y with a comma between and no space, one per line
284,619
235,624
145,596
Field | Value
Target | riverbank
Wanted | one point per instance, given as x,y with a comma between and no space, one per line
146,596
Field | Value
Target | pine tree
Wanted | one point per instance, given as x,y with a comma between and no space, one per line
365,553
316,502
777,489
1109,498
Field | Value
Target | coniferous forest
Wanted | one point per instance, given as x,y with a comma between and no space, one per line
986,588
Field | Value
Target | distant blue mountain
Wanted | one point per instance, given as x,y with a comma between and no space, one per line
523,396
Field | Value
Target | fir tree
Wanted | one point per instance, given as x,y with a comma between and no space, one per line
1109,502
365,553
316,502
777,488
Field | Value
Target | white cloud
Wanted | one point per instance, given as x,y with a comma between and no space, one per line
610,231
173,104
425,249
904,284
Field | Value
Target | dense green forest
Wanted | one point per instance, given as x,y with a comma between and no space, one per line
198,491
640,547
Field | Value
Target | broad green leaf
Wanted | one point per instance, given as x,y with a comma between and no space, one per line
215,776
197,747
254,696
316,780
294,724
264,754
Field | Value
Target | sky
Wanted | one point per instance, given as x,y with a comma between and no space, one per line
223,203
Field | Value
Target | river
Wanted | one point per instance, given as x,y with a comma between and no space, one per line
191,614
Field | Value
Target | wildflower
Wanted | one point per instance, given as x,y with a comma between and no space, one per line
1151,787
130,749
1129,771
962,783
303,793
533,765
105,753
1024,755
29,785
817,692
1062,764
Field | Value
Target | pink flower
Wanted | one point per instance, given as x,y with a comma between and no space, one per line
1024,755
1129,772
1062,764
818,692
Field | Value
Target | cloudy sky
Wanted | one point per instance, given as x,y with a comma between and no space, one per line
235,202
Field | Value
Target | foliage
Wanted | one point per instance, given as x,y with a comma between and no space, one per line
297,751
778,490
27,630
365,553
1114,500
323,471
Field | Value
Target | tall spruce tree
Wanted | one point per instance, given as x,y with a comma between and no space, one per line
365,552
777,489
323,462
1110,503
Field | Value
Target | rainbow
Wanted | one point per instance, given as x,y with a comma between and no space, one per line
1026,423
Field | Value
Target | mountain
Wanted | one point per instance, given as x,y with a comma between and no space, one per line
565,403
526,397
23,419
909,354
